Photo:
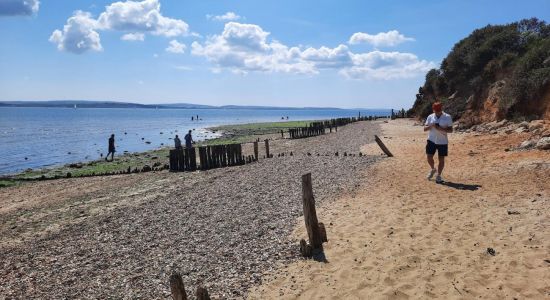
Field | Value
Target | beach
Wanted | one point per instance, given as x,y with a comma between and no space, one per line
391,233
399,236
122,236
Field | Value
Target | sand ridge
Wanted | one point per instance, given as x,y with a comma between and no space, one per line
401,237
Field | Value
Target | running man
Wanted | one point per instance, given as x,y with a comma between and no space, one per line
439,124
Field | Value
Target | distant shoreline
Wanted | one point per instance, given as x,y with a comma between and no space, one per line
113,104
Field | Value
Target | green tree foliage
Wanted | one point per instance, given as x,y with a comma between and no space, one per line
518,52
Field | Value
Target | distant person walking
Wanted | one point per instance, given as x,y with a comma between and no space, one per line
177,142
438,124
112,149
188,140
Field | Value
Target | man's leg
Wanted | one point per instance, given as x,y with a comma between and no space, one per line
441,164
431,160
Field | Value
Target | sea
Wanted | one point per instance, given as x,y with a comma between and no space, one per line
36,138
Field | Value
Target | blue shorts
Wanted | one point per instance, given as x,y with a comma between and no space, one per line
431,147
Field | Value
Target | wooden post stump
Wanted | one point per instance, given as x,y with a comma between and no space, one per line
305,248
256,150
202,294
382,146
177,287
267,148
310,214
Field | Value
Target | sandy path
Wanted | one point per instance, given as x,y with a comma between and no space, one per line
402,237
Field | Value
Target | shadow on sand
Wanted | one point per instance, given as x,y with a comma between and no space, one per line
461,186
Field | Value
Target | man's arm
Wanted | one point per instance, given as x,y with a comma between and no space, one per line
446,129
428,127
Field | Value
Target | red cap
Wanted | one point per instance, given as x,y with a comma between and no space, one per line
437,106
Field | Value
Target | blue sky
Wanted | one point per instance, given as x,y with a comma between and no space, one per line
368,54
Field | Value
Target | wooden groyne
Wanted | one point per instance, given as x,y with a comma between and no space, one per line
320,128
209,157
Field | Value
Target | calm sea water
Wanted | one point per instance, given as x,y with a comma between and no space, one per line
46,137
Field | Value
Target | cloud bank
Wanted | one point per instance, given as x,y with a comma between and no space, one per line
80,34
243,48
18,7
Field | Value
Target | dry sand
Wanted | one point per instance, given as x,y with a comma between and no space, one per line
400,236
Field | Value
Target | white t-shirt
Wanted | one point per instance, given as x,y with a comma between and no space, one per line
444,121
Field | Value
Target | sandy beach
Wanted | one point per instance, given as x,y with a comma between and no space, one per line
400,236
392,234
122,236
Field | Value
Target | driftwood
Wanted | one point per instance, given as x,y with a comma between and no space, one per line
382,146
177,287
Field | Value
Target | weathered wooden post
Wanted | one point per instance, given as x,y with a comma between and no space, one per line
267,148
202,294
282,134
382,146
310,218
177,287
256,150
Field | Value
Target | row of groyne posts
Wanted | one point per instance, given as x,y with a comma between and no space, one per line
321,127
220,156
316,232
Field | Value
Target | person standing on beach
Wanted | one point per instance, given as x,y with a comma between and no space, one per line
112,149
188,140
177,142
438,124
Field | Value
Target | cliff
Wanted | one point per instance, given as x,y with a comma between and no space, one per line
497,72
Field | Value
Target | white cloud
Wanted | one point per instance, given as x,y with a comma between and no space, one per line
133,37
176,47
183,68
386,65
325,57
228,16
141,16
137,18
18,7
390,38
78,35
243,48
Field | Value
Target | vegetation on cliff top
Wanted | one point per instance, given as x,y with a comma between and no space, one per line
508,65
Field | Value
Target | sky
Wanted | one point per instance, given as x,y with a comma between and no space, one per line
349,54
